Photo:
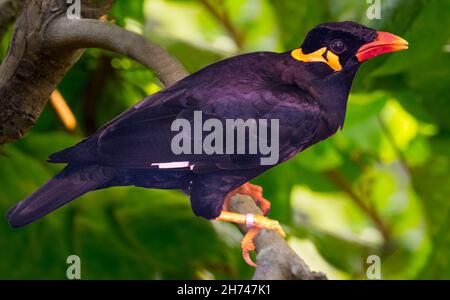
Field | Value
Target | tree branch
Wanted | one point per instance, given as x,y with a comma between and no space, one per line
46,44
30,71
87,33
275,259
8,12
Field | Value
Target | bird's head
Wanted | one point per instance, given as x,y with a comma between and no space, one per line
345,45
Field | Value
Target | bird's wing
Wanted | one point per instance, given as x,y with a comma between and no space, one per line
298,125
141,137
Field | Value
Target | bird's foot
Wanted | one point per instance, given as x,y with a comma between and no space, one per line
255,223
252,190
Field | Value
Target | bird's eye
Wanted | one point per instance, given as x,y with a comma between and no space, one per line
337,46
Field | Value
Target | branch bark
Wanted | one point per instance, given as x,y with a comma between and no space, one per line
31,70
8,12
44,47
87,33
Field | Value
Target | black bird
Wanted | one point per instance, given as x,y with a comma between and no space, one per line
305,89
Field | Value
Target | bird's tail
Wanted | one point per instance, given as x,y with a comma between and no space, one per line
69,184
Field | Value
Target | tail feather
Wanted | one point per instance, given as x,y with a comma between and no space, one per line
60,190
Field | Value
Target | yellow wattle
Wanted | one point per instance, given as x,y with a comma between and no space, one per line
332,59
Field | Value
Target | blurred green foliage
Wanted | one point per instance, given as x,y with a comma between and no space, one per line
381,186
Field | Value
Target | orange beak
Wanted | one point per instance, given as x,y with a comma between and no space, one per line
384,43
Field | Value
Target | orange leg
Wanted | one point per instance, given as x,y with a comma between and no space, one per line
254,191
255,224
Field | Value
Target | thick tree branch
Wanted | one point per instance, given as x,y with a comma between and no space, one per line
46,44
8,12
30,72
275,259
87,33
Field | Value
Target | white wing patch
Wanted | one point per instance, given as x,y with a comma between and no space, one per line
174,165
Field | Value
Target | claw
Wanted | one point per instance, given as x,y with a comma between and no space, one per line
248,259
264,204
255,223
248,245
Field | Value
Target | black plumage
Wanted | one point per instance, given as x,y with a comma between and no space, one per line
309,99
